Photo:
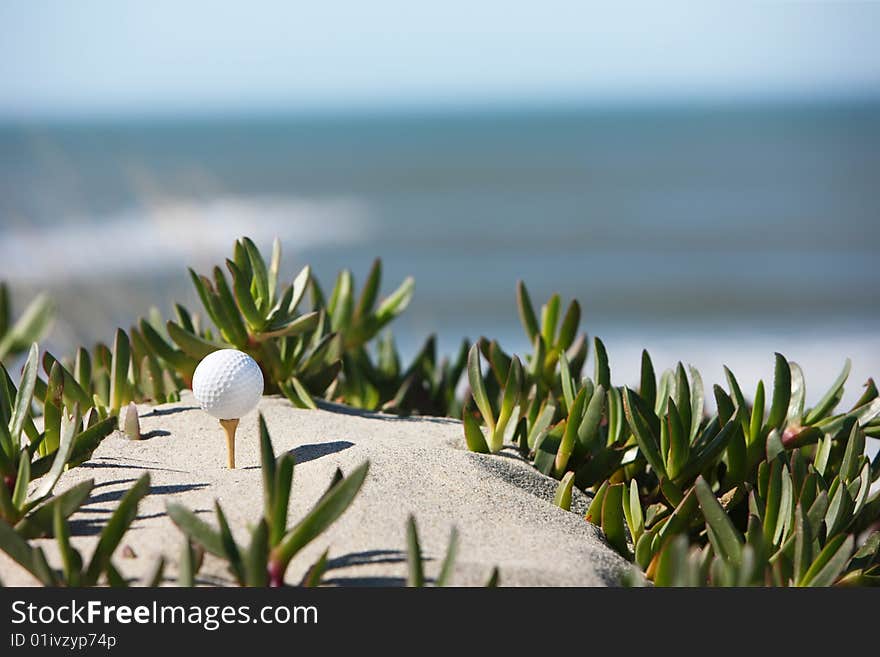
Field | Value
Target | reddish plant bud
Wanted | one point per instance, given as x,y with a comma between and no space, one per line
789,434
276,574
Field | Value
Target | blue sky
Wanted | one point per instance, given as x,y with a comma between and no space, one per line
113,57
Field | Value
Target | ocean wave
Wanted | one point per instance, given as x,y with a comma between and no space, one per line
148,238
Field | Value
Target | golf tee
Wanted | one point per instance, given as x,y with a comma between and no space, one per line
229,426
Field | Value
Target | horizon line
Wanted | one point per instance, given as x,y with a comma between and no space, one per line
434,108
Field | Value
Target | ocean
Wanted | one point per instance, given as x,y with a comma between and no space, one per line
712,235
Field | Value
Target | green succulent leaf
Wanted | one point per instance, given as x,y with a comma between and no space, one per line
300,285
725,538
679,442
297,326
526,311
225,312
830,563
549,319
119,394
22,479
840,507
193,345
325,513
62,456
602,374
568,392
476,441
478,387
394,305
673,565
196,529
644,430
113,531
448,565
176,358
781,393
72,391
562,498
39,521
757,418
300,393
613,519
370,292
831,398
568,328
283,481
680,519
696,402
23,398
257,556
798,394
186,569
569,436
594,511
84,444
244,299
71,561
588,430
632,510
415,569
260,282
542,423
852,454
803,546
230,549
29,558
648,380
30,327
267,466
509,401
316,571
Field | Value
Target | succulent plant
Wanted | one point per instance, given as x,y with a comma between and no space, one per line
416,565
74,571
674,488
763,491
766,498
31,326
501,417
791,540
427,386
323,352
554,415
104,382
358,322
299,356
553,340
273,544
27,454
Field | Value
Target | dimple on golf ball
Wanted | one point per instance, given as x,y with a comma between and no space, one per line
227,384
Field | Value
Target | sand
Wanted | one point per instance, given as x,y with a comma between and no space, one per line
501,506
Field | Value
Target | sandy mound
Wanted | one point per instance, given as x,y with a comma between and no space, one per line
500,505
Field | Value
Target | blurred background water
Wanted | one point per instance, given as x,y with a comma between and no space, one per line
713,231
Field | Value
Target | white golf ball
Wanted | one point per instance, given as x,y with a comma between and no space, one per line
228,384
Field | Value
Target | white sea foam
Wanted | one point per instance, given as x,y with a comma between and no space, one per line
172,232
750,357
